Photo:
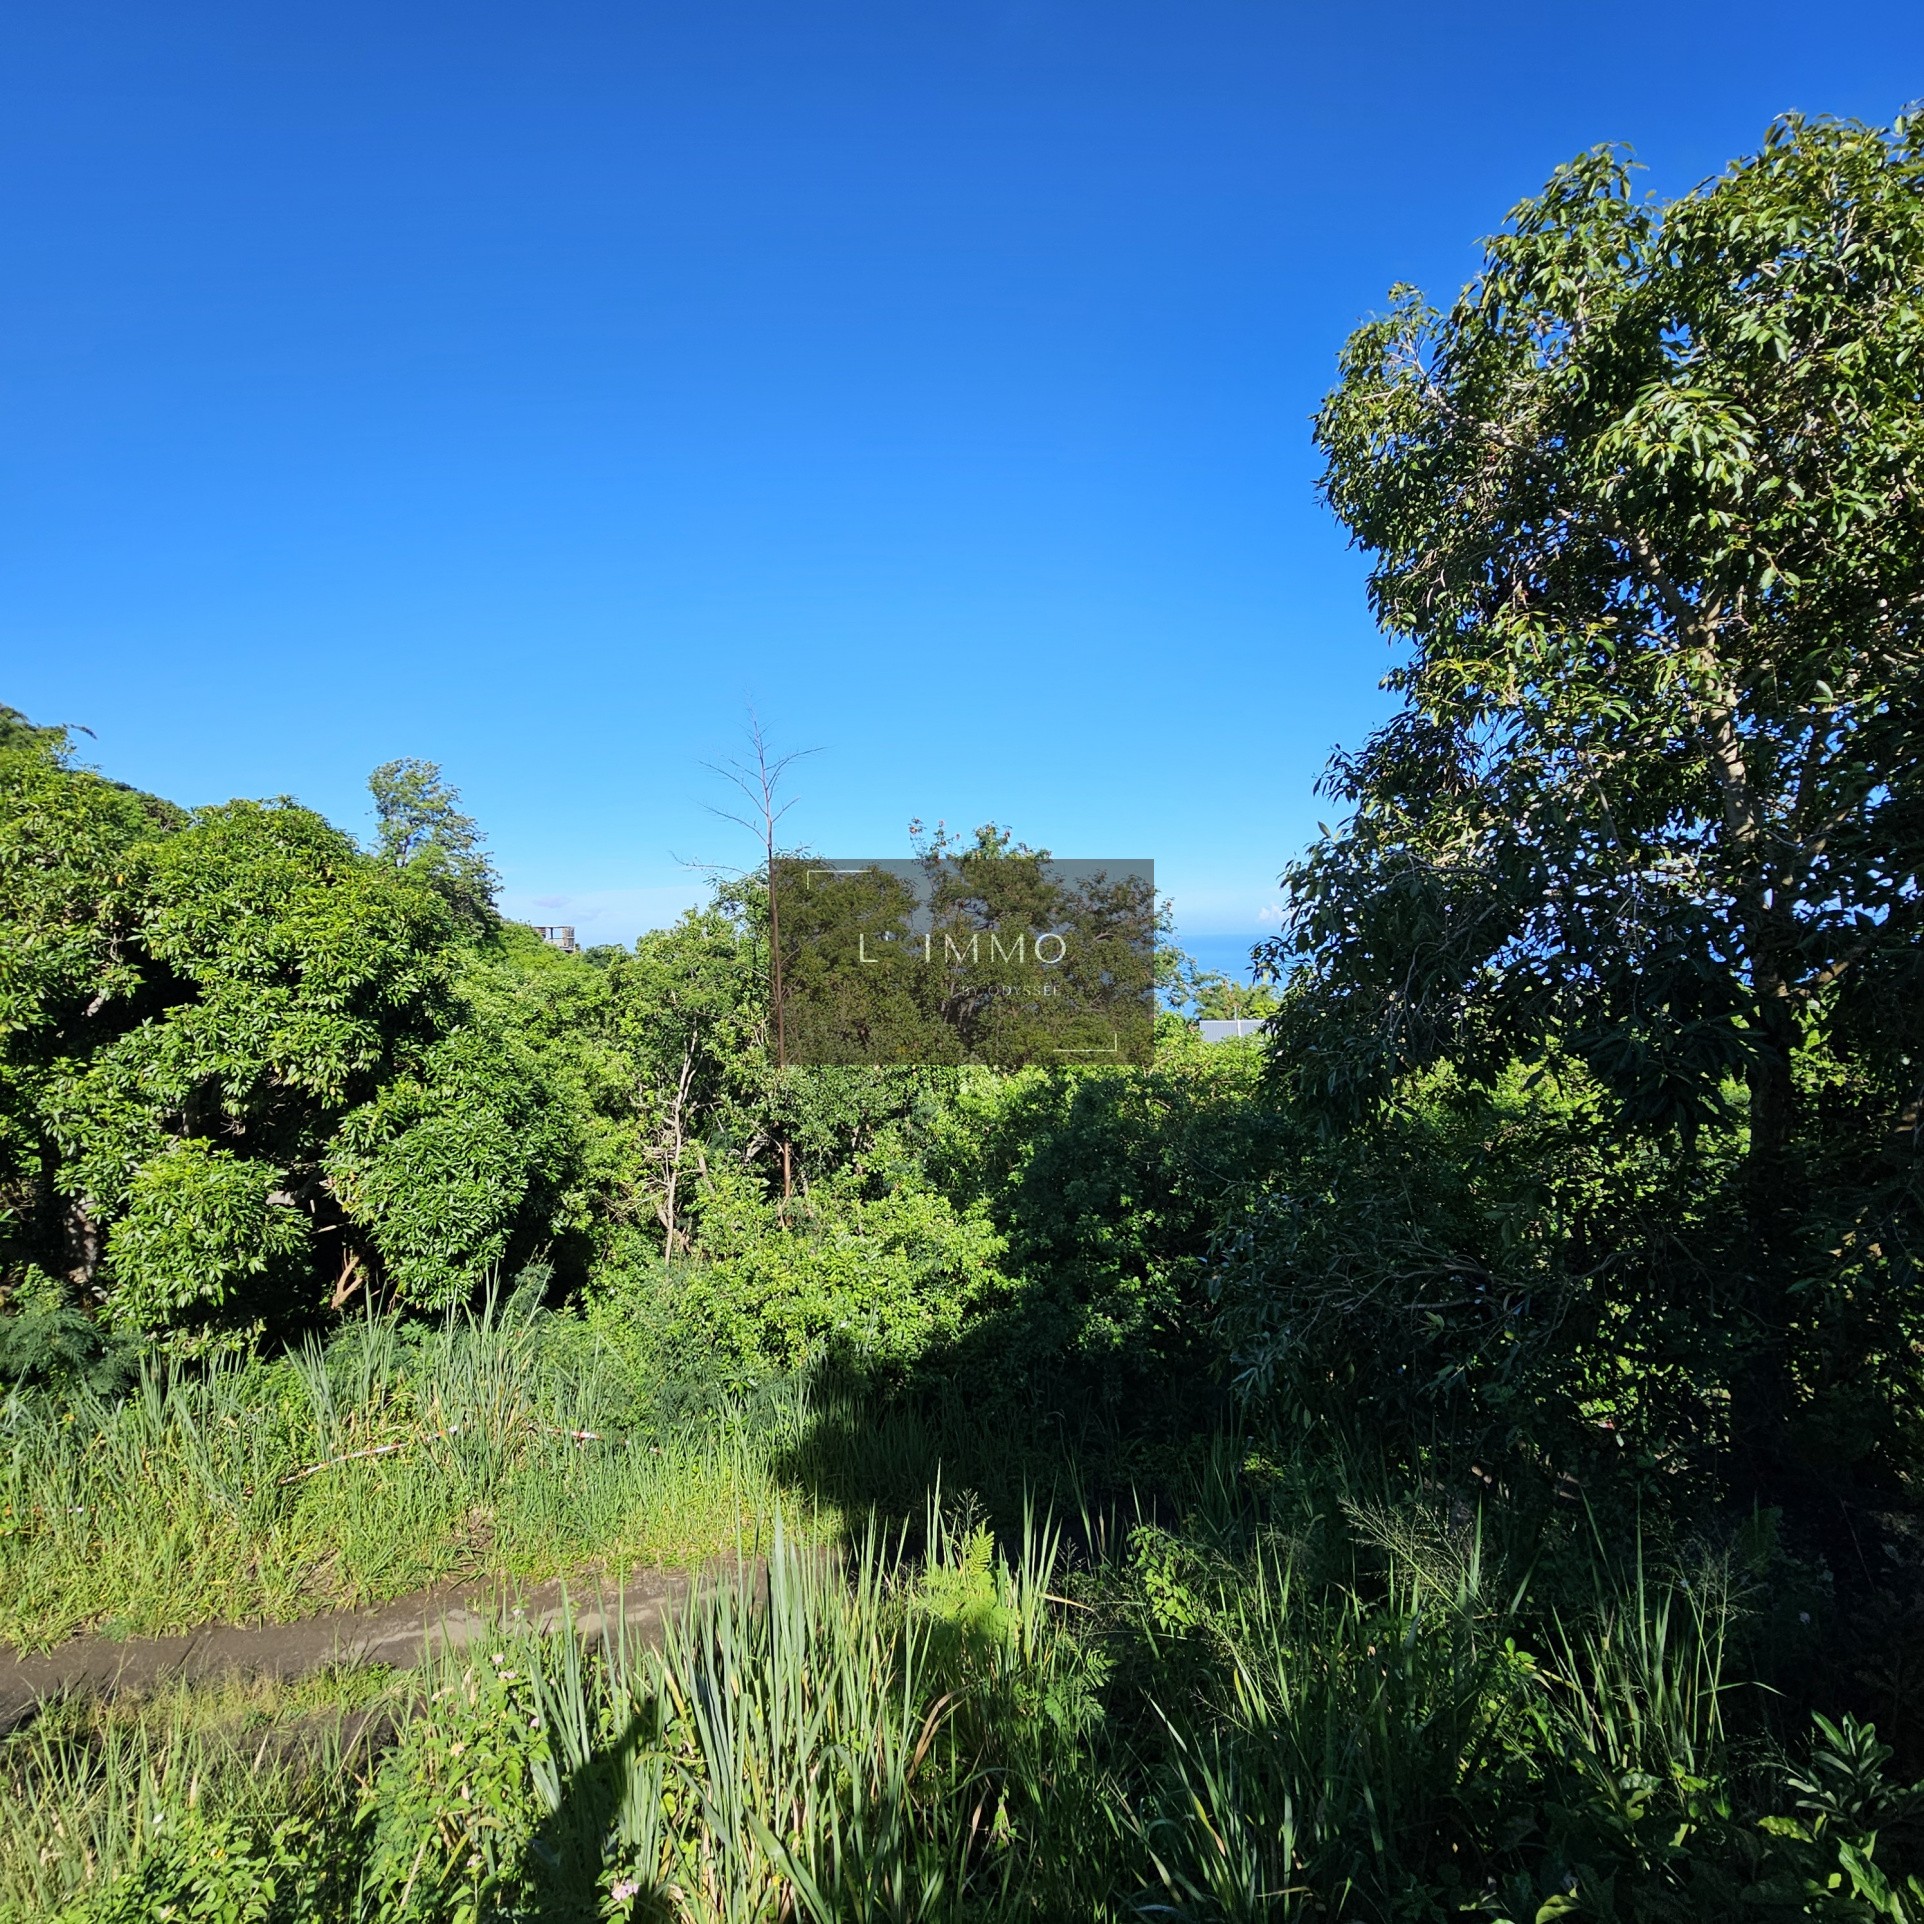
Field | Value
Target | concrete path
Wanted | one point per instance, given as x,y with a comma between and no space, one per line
400,1634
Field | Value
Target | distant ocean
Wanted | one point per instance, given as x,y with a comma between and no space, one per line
1222,954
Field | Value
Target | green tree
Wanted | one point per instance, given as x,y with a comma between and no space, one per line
245,1066
456,1164
422,829
199,1221
281,978
689,1016
1645,513
73,848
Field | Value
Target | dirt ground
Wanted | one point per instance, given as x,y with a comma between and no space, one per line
398,1634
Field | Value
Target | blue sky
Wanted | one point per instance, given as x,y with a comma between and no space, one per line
533,389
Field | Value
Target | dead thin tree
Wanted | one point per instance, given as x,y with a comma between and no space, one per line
758,779
671,1151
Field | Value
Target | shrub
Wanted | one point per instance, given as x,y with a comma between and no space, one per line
200,1223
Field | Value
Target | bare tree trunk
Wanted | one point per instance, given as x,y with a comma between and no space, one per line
1763,1394
349,1280
677,1141
86,1241
760,782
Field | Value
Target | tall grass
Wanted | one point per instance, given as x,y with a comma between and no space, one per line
507,1441
1301,1682
100,1797
1344,1731
991,1735
873,1740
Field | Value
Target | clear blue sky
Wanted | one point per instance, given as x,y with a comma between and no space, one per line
530,388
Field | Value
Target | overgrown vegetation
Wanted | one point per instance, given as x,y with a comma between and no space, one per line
1457,1455
1326,1705
398,1455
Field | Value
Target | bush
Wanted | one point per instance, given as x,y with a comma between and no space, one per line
200,1224
873,1283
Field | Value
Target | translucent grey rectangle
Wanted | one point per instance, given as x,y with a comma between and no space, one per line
990,955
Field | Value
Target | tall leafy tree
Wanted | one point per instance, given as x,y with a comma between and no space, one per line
281,977
246,1066
689,1013
73,851
1646,511
422,828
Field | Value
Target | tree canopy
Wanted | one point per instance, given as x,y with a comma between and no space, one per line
1644,511
232,1044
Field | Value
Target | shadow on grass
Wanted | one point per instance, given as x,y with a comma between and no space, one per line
565,1858
1096,1451
1093,1389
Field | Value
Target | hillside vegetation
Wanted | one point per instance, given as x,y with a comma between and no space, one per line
1455,1454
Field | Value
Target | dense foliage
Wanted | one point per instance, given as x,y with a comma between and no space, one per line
1455,1455
288,1070
245,1062
1644,508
